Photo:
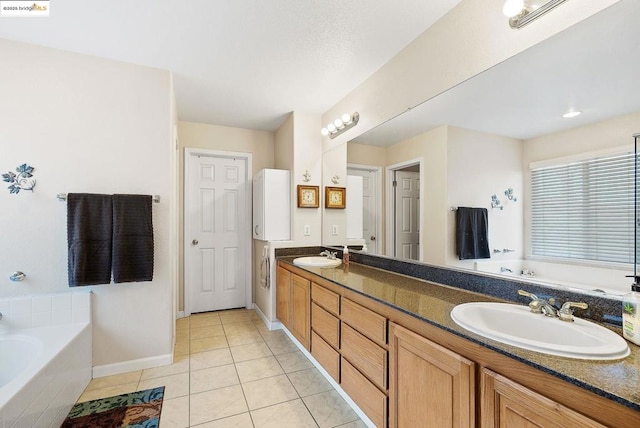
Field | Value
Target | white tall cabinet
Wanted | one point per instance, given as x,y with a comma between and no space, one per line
272,205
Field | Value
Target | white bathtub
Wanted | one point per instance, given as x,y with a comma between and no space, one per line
587,279
44,369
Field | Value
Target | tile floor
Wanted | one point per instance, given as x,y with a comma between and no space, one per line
231,371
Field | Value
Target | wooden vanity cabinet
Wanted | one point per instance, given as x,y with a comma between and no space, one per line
293,304
429,386
507,404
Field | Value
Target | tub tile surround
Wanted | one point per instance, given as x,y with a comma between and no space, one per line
47,397
263,381
417,289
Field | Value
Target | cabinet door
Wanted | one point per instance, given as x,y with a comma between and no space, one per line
301,309
507,404
283,296
429,386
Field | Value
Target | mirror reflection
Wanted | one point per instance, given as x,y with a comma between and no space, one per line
477,144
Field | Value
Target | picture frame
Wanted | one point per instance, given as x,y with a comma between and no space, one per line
335,197
308,196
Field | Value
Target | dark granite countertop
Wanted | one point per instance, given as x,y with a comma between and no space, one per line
431,302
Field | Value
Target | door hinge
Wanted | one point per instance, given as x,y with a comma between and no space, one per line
395,183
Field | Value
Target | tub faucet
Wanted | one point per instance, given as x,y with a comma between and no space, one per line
331,255
0,315
505,269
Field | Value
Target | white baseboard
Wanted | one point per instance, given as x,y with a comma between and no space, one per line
275,325
132,365
333,383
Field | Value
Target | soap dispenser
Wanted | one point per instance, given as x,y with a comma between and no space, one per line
630,315
345,255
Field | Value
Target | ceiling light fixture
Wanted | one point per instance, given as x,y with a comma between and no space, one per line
346,121
522,12
570,114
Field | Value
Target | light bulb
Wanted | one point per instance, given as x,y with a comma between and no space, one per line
331,128
512,8
346,118
324,131
338,123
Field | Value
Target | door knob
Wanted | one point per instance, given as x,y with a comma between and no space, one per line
373,238
194,242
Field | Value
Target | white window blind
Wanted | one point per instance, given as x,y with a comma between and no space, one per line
584,210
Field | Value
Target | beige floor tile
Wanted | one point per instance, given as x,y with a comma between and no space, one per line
258,369
216,404
272,334
292,414
242,420
207,331
174,386
239,327
293,362
203,321
175,413
251,351
213,378
119,379
356,424
229,317
309,382
109,391
217,357
181,348
182,335
244,338
208,344
269,391
182,324
329,409
180,365
281,345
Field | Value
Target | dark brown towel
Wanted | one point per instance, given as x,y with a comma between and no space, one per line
132,238
89,238
472,230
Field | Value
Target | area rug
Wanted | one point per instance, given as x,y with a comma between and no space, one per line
134,410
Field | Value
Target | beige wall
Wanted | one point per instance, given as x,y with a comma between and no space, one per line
213,137
96,126
480,165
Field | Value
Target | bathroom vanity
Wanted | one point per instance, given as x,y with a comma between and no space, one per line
389,341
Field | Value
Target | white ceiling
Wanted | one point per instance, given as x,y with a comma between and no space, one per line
243,63
591,67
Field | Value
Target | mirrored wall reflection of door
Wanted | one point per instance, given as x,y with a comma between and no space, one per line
371,215
407,213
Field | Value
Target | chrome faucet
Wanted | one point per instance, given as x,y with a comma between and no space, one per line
566,311
539,306
331,255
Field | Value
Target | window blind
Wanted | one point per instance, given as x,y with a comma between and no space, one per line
584,210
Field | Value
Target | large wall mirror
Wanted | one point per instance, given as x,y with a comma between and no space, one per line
475,146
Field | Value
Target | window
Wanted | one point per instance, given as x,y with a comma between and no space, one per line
584,210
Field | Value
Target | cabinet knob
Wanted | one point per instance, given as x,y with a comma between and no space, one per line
373,238
195,242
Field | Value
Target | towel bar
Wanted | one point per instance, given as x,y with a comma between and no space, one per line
63,197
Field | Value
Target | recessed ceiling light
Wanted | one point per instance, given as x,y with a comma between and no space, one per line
571,114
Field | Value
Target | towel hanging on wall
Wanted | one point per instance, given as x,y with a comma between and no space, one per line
472,230
132,238
89,224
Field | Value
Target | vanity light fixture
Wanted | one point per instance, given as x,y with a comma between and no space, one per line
338,126
522,12
570,114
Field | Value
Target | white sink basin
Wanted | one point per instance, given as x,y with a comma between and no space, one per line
516,326
317,261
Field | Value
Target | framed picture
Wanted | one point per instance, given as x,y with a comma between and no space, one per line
308,196
334,197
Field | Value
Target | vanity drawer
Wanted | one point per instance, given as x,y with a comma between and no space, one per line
325,298
325,325
365,355
369,398
328,357
367,322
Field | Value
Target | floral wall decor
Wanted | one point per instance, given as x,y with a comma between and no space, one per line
22,179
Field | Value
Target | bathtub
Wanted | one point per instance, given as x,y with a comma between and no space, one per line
607,282
44,369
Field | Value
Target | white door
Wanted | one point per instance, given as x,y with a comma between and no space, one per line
217,225
407,213
369,207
